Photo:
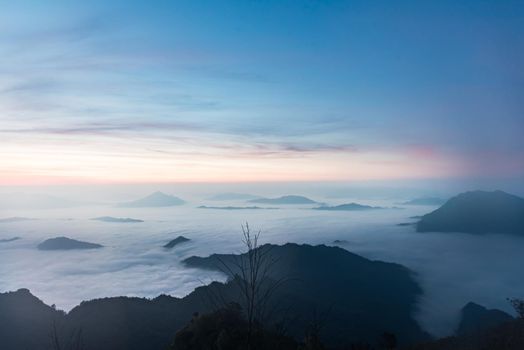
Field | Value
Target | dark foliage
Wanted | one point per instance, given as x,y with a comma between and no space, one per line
518,305
506,336
475,318
227,329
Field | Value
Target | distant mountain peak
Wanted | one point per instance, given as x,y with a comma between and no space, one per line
348,207
477,212
176,241
288,199
155,199
116,220
64,243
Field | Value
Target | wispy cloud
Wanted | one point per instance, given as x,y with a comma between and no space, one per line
109,129
230,89
266,150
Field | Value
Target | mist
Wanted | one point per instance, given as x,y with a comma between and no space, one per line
452,268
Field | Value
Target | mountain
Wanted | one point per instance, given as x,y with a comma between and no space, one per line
232,208
284,200
25,321
233,197
176,241
118,323
113,219
477,212
7,240
348,207
505,336
157,199
362,298
365,298
64,243
476,318
425,201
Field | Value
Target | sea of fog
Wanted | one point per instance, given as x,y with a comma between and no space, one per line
453,269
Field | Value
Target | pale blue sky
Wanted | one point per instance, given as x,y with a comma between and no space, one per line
197,90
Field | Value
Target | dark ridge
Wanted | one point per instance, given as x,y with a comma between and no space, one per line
291,199
475,318
369,298
369,294
7,240
348,207
505,336
26,322
176,241
64,243
477,212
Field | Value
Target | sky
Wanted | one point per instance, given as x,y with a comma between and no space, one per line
260,90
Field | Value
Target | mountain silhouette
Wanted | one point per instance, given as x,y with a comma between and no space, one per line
7,240
506,335
367,297
176,241
291,199
477,212
475,318
156,199
64,243
348,207
364,298
25,321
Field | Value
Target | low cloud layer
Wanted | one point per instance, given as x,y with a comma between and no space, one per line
453,269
